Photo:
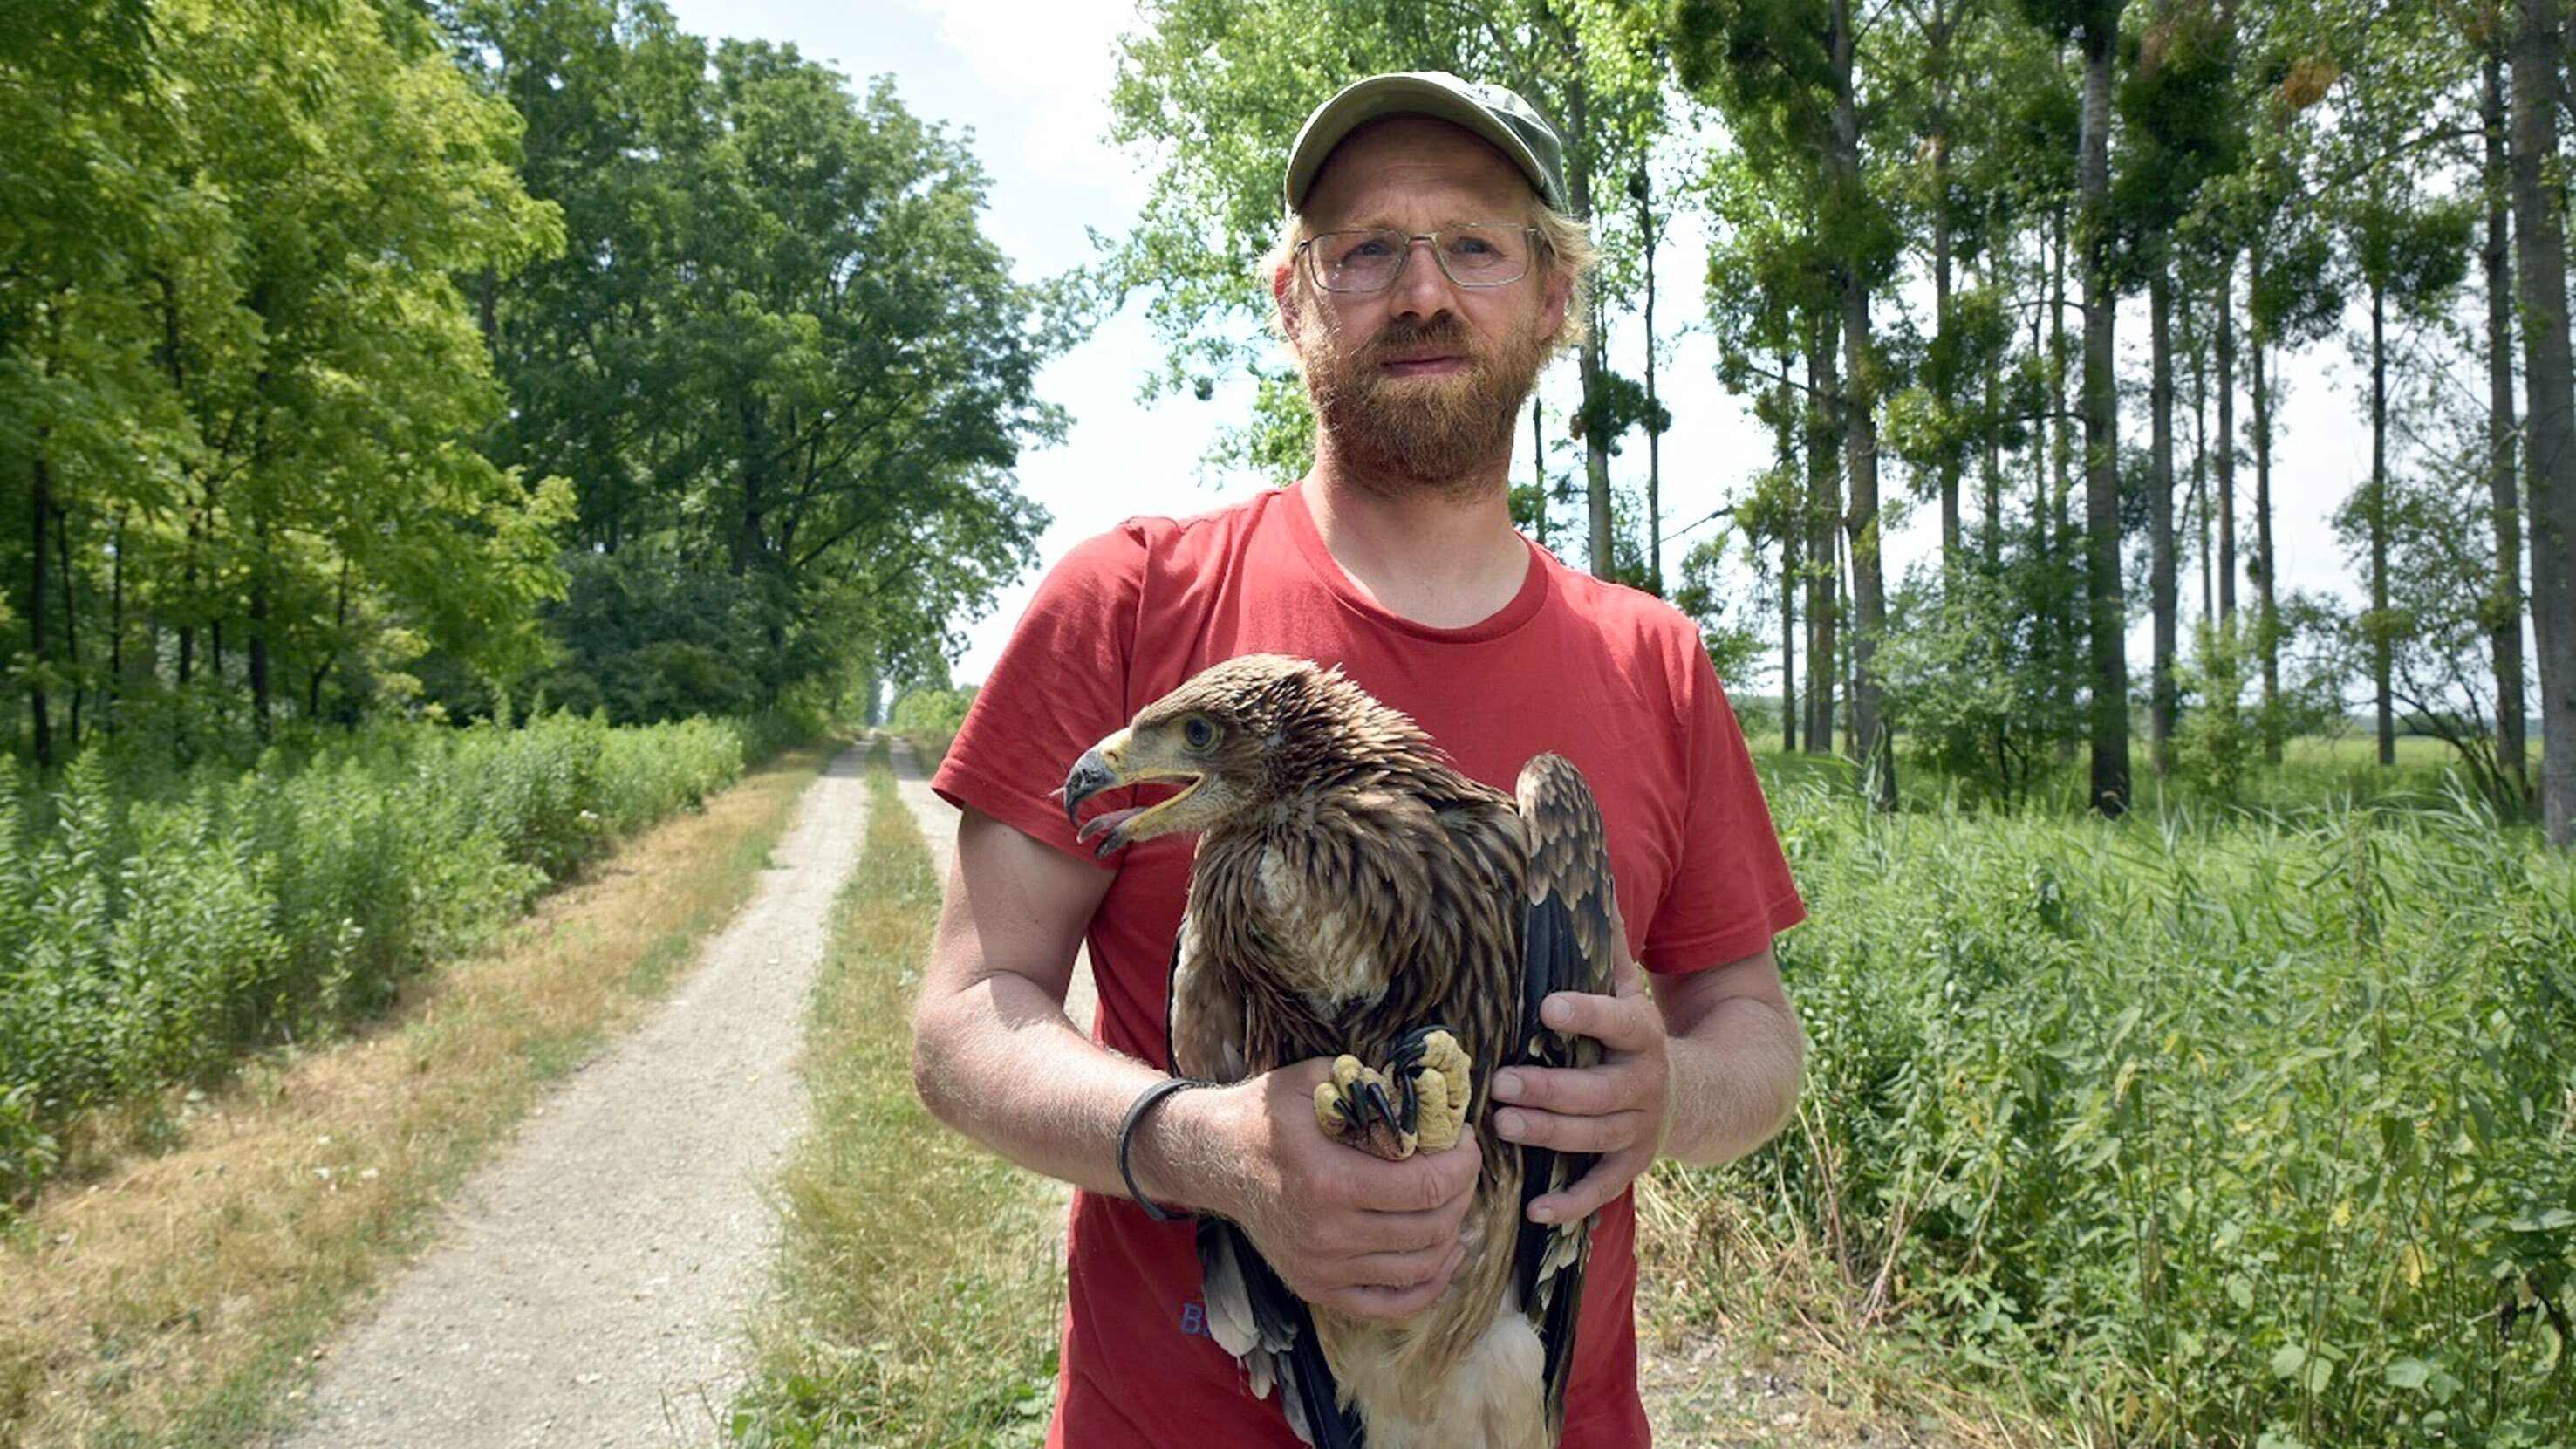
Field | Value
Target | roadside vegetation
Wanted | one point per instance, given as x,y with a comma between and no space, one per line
184,1272
921,1278
162,923
2216,1127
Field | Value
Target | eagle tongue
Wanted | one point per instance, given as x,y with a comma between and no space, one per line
1107,820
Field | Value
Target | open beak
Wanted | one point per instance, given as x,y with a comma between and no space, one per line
1109,765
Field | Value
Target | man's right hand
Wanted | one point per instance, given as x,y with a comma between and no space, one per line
1344,1229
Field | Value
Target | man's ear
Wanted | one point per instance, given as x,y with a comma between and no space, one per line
1281,279
1554,300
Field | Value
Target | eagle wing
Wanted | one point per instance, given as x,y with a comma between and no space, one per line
1570,941
1251,1312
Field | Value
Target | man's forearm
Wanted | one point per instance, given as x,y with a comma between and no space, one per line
1735,1079
1001,1062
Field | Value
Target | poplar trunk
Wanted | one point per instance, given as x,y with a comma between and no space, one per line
2540,258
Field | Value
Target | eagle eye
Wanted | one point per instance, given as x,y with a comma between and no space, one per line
1199,731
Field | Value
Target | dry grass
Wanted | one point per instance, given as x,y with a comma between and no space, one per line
1750,1340
921,1287
168,1298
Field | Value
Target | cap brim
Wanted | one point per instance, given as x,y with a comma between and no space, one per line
1402,95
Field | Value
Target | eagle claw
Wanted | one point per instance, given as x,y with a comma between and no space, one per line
1425,1110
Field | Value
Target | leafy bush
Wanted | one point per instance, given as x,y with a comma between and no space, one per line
2214,1131
151,929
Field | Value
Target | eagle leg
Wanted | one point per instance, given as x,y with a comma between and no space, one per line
1418,1103
1437,1078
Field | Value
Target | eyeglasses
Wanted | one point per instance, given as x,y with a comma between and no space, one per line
1471,254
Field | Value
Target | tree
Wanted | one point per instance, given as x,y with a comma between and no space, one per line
777,349
2505,603
1788,76
2549,380
2413,259
2179,102
2093,26
237,379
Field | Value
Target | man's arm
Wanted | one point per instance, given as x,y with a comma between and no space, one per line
995,1057
1705,1068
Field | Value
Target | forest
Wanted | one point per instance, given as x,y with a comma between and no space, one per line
438,436
1929,222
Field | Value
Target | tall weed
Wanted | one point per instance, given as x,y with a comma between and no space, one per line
153,924
2209,1129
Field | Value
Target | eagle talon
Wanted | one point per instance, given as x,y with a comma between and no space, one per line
1354,1108
1418,1104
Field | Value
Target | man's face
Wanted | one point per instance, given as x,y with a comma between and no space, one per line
1426,378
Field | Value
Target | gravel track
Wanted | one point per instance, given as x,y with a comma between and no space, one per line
593,1284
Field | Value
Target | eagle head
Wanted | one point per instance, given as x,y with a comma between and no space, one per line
1238,737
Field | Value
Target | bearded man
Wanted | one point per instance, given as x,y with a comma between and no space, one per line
1426,274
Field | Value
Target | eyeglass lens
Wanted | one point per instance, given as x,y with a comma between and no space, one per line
1475,254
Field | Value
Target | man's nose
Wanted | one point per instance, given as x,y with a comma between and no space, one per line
1421,289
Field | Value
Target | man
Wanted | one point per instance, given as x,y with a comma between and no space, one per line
1426,275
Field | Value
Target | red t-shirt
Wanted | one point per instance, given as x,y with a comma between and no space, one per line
1613,679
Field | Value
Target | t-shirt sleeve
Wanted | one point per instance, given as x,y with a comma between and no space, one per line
1058,689
1732,891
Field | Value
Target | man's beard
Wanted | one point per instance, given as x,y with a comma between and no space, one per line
1441,432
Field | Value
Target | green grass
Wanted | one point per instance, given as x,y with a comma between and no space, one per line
2204,1128
921,1282
177,1298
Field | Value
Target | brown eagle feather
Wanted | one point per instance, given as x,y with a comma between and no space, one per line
1351,887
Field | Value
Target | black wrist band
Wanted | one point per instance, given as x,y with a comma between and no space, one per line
1145,1101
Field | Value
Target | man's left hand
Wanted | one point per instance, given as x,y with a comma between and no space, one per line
1620,1108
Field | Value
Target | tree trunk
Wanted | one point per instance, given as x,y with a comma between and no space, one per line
2164,564
2375,514
2196,508
2109,618
40,721
2504,484
2226,501
1789,550
1596,444
1946,340
1654,433
71,626
1824,574
2540,257
1596,455
259,642
113,706
1871,734
2267,604
1538,466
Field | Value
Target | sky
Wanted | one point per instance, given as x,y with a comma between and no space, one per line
1030,87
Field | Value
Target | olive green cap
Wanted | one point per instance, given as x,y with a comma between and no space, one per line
1499,116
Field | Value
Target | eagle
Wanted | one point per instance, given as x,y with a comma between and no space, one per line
1355,897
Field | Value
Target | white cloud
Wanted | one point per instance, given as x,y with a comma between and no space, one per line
1057,61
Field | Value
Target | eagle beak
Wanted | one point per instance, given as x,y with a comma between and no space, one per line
1106,766
1096,771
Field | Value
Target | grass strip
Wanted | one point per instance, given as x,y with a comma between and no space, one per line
176,1298
921,1278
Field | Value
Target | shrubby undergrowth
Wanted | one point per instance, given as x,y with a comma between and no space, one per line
149,933
2220,1130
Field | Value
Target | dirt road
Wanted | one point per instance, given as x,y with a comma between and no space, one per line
592,1287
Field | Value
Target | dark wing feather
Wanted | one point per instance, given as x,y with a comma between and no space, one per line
1569,942
1274,1336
